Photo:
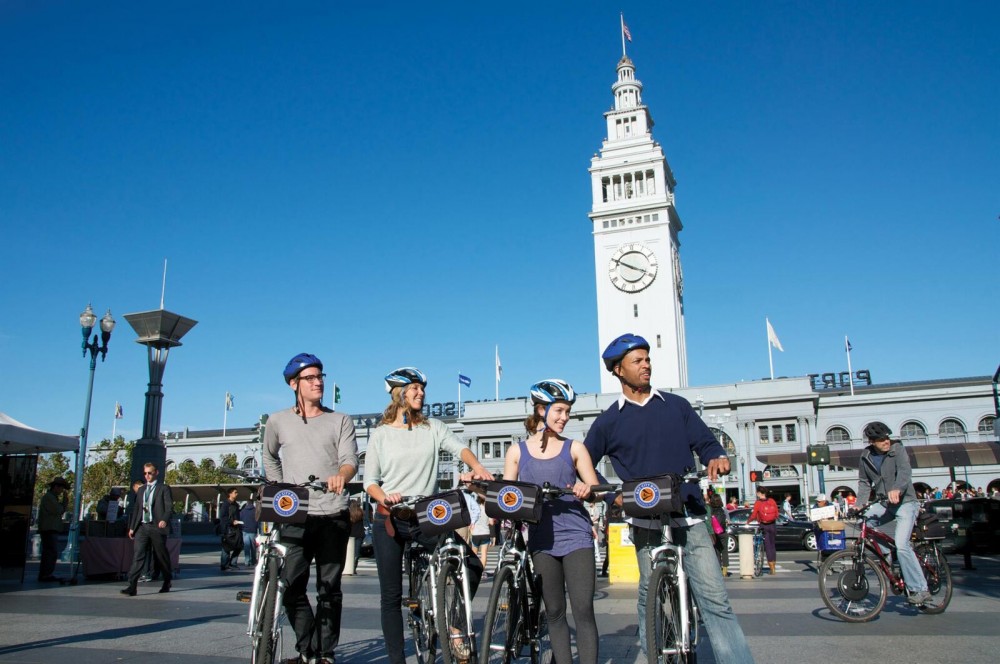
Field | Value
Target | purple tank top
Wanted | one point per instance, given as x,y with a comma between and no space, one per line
565,524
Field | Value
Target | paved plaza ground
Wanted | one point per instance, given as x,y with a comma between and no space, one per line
201,621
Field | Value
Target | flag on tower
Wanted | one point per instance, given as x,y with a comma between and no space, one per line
229,401
847,345
499,366
118,411
625,31
772,337
465,380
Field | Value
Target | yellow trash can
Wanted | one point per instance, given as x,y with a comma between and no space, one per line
622,565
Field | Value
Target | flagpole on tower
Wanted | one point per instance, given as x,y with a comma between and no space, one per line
625,33
850,374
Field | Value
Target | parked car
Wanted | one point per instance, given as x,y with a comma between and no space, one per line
789,534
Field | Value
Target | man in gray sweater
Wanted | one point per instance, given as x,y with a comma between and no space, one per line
885,471
311,440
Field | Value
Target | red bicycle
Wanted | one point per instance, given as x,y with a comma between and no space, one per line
855,582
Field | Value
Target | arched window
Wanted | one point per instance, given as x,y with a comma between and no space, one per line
987,426
837,435
250,463
913,433
951,431
725,440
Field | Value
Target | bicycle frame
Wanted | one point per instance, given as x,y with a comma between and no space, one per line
870,539
269,548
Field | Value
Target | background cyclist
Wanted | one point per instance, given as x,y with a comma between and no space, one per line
402,460
765,512
309,439
646,433
885,471
562,542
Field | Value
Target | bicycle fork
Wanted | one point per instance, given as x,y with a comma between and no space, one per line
673,555
452,551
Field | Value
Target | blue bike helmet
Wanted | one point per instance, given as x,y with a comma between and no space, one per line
404,376
618,348
298,363
551,390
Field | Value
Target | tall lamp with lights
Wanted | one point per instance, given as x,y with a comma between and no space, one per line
87,321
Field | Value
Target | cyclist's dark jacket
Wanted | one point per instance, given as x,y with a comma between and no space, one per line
894,474
654,439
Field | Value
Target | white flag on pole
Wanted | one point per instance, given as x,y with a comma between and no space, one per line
772,337
499,366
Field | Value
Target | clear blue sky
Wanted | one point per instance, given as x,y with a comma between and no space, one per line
406,184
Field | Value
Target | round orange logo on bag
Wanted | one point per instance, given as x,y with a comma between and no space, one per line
285,503
646,494
510,499
439,512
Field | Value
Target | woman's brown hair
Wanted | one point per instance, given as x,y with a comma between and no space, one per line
413,417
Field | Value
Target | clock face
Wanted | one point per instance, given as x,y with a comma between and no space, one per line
632,267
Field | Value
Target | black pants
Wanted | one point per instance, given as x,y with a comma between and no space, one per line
148,537
50,546
322,539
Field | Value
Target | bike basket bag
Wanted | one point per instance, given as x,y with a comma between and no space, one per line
442,513
927,526
652,496
283,504
514,500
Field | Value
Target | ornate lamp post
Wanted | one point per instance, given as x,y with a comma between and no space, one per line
87,322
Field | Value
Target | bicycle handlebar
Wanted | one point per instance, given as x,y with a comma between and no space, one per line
255,476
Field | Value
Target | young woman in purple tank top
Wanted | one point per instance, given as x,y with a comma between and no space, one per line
562,542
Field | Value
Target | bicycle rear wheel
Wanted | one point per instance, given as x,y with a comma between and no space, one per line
853,589
664,641
420,618
262,640
502,623
453,616
938,575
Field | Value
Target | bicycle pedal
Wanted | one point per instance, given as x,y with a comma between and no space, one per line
412,603
244,596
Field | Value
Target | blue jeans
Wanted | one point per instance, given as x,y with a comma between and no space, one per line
249,548
702,566
904,515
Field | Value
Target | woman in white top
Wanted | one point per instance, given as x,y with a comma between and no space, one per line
402,460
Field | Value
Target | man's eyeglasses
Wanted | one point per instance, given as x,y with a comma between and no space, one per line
149,472
314,378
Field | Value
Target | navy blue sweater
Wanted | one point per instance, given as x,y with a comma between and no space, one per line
658,438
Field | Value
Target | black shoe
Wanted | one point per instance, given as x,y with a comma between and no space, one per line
130,591
222,568
165,588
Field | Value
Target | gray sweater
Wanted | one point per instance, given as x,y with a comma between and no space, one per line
894,474
294,450
405,461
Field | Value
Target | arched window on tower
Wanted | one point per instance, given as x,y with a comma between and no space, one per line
951,431
913,433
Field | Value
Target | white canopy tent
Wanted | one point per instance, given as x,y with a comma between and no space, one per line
19,438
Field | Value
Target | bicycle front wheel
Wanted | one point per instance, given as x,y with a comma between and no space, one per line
420,618
758,558
501,626
854,589
938,575
262,639
664,640
458,646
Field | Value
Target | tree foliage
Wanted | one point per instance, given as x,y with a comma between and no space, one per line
51,466
109,465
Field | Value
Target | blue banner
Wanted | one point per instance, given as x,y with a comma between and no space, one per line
465,380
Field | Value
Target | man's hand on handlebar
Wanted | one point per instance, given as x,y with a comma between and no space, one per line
717,467
479,473
392,499
335,483
581,490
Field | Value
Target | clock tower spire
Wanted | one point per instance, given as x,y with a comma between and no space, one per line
636,246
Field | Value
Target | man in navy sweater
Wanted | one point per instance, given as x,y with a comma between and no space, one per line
648,433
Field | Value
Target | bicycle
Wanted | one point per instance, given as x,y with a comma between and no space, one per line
672,614
440,596
854,583
264,619
514,616
759,557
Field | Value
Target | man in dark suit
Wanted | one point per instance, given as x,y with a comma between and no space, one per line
148,526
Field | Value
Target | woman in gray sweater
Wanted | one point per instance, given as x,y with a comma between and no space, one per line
402,460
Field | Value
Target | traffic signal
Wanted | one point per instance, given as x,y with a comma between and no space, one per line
336,393
818,455
756,476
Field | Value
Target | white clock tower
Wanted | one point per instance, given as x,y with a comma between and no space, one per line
636,248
